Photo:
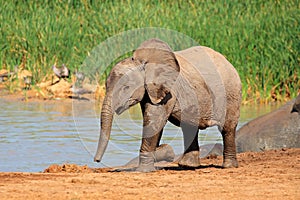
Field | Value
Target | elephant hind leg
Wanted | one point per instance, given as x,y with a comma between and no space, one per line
190,157
229,152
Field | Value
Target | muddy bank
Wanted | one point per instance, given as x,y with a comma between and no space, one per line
50,88
265,175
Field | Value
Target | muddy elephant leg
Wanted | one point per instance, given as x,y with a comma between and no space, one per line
143,108
229,152
190,157
155,118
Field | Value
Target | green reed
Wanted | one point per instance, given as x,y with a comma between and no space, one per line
260,38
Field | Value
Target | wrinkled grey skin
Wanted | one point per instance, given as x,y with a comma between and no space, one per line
195,88
165,153
277,129
206,150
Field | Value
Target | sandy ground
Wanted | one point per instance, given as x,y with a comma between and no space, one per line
272,174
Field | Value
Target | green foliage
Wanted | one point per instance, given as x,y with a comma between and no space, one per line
260,38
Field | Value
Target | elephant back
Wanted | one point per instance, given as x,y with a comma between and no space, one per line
215,80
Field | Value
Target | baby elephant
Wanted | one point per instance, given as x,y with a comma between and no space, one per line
195,88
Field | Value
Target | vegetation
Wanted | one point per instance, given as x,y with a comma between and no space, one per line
260,38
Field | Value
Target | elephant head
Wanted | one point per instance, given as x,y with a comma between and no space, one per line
151,72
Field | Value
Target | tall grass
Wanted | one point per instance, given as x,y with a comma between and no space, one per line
260,38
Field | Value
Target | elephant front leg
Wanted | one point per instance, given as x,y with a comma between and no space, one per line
155,118
190,157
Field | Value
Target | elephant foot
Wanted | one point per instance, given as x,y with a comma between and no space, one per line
164,153
190,159
146,163
230,163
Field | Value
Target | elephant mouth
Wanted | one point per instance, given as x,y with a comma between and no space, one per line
120,110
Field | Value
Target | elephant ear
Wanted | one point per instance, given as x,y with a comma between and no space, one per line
161,68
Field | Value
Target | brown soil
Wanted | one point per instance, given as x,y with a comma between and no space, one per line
266,175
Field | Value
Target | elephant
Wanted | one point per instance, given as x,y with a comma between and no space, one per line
194,88
277,129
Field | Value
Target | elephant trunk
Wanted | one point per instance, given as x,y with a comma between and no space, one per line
106,123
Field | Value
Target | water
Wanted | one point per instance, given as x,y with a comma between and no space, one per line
36,135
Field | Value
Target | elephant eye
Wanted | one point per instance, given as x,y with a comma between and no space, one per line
132,58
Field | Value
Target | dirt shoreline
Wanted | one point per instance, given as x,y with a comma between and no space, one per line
273,174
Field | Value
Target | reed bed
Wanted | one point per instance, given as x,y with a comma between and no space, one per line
260,38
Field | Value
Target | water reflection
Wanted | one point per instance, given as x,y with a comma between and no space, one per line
36,135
